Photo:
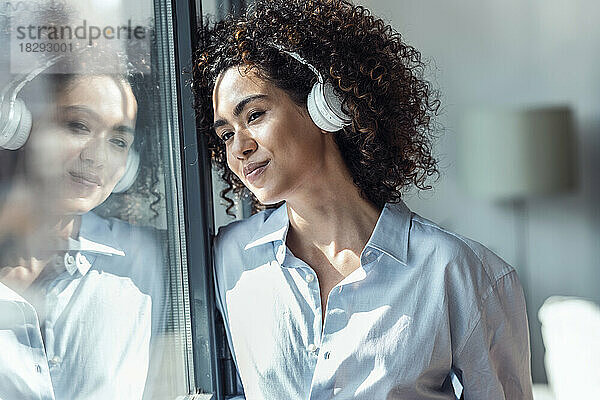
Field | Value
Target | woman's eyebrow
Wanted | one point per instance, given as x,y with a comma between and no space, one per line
83,109
239,108
124,129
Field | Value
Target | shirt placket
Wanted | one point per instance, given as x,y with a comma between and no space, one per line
319,348
308,279
314,345
58,296
41,378
322,353
336,318
52,292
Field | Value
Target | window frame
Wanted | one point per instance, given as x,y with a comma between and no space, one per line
213,370
198,211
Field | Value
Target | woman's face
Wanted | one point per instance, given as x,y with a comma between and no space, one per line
272,144
78,153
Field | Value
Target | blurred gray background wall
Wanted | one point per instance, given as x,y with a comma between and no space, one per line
515,53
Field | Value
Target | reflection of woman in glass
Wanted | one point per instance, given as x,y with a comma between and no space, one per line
95,283
320,109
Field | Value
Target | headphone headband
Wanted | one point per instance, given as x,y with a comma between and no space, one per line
300,59
323,103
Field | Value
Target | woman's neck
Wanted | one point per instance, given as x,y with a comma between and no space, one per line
342,223
329,215
66,226
30,236
26,213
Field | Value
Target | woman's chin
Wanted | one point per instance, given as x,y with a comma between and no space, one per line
77,205
267,197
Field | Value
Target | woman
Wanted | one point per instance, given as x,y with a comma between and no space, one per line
337,289
93,300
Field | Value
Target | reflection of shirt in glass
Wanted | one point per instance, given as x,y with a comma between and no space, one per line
427,311
97,318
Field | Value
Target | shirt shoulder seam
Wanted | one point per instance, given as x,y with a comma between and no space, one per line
484,298
462,240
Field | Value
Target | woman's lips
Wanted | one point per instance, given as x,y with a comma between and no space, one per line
86,179
253,172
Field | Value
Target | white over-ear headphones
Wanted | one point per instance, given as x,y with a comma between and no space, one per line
16,122
132,168
324,105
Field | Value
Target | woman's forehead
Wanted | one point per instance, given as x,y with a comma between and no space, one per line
107,96
235,84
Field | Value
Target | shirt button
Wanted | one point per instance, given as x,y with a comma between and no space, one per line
69,260
82,261
326,355
38,368
312,347
310,278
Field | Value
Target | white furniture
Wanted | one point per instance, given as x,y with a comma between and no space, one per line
542,392
571,333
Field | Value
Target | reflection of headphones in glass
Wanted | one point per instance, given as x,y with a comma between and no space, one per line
324,105
16,122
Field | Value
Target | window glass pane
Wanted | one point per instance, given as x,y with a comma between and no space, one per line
94,300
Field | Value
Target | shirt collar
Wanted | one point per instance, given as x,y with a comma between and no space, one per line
95,235
390,235
95,238
7,294
274,228
83,244
393,222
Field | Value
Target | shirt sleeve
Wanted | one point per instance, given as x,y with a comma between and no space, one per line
494,361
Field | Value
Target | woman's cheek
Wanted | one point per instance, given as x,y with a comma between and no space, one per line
48,153
117,172
234,166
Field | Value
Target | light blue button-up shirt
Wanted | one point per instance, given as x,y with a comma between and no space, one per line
90,333
426,312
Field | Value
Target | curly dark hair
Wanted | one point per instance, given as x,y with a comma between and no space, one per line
388,146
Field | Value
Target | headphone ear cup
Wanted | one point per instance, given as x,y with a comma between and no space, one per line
15,127
325,108
334,105
131,172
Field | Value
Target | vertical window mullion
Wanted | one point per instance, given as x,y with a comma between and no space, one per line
198,206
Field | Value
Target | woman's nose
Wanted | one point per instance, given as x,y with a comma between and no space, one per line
94,153
243,145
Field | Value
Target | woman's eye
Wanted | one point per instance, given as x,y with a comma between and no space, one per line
254,115
119,142
226,136
78,127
